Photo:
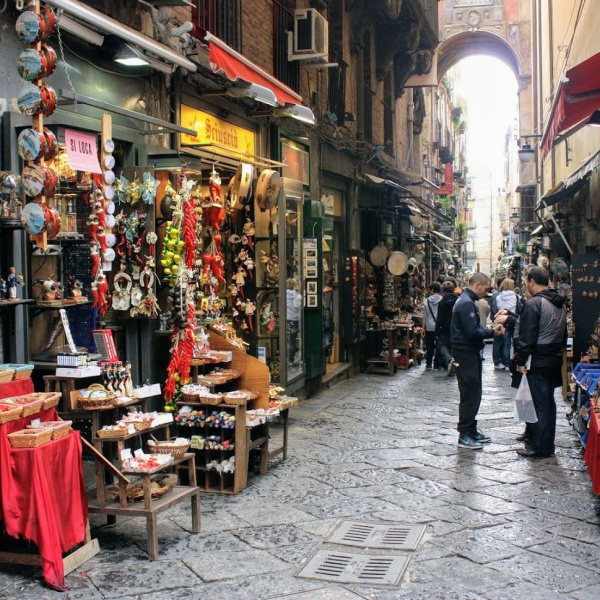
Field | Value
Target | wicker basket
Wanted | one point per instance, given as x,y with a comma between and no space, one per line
140,425
12,414
252,394
110,433
30,438
23,374
60,429
49,399
104,398
211,400
32,407
176,450
237,400
6,375
190,397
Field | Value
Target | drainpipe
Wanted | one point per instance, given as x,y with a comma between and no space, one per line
410,118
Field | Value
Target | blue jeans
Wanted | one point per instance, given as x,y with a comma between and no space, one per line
541,439
432,358
443,351
501,348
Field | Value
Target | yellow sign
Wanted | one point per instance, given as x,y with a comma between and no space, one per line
211,130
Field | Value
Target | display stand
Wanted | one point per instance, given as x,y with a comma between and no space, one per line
150,507
400,338
34,479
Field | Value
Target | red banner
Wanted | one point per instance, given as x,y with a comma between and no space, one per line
448,188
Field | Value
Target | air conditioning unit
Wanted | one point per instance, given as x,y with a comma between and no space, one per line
310,39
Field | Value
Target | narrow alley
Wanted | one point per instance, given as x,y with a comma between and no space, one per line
382,450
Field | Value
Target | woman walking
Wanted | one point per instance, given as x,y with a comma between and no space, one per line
506,299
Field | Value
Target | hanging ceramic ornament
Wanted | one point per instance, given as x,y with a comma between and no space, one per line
133,192
149,188
120,188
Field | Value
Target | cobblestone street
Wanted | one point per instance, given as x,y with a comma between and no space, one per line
373,449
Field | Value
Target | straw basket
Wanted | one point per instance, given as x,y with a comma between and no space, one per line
110,433
10,415
24,372
211,400
176,450
30,438
59,429
6,375
32,407
239,399
49,399
97,397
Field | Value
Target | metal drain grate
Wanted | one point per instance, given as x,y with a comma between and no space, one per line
355,568
373,535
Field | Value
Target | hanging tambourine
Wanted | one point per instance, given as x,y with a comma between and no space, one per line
31,145
33,178
34,100
379,255
397,263
242,184
30,27
33,218
52,222
268,189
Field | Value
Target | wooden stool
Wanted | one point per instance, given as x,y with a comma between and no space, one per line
65,385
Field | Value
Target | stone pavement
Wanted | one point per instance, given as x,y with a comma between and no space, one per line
382,450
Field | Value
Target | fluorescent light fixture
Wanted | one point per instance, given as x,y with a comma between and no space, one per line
254,91
79,30
130,57
296,111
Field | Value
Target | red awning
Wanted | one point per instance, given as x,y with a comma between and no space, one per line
575,101
225,60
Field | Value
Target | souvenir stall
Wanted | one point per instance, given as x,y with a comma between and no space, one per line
392,291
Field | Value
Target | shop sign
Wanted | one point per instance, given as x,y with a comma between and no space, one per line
211,130
82,151
296,162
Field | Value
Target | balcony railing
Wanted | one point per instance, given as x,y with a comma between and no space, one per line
222,18
287,72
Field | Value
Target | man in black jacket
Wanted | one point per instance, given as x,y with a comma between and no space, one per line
542,335
467,342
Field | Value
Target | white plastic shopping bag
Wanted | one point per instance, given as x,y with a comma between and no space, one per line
524,407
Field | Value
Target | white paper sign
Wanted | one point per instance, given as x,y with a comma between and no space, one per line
82,151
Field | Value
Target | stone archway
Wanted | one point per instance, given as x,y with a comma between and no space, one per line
499,28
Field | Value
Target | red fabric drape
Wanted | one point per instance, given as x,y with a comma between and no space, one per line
592,452
16,388
42,495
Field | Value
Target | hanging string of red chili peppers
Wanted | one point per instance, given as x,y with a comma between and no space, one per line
183,343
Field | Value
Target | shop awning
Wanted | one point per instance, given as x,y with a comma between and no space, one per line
577,98
441,236
571,185
379,181
226,61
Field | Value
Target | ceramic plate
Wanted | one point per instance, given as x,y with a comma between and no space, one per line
30,100
29,145
33,179
33,219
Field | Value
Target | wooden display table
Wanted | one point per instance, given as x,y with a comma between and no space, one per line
404,344
149,508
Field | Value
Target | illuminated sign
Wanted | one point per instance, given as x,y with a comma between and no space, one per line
212,130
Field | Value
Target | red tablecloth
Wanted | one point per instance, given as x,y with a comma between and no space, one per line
592,451
42,495
16,388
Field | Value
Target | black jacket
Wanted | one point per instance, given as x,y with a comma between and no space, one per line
444,315
467,332
542,330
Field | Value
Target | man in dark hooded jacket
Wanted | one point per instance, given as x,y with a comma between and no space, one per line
542,335
443,323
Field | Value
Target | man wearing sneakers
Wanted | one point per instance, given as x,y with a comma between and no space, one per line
467,341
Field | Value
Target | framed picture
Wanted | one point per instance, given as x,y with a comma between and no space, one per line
311,273
312,301
310,263
310,253
311,287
